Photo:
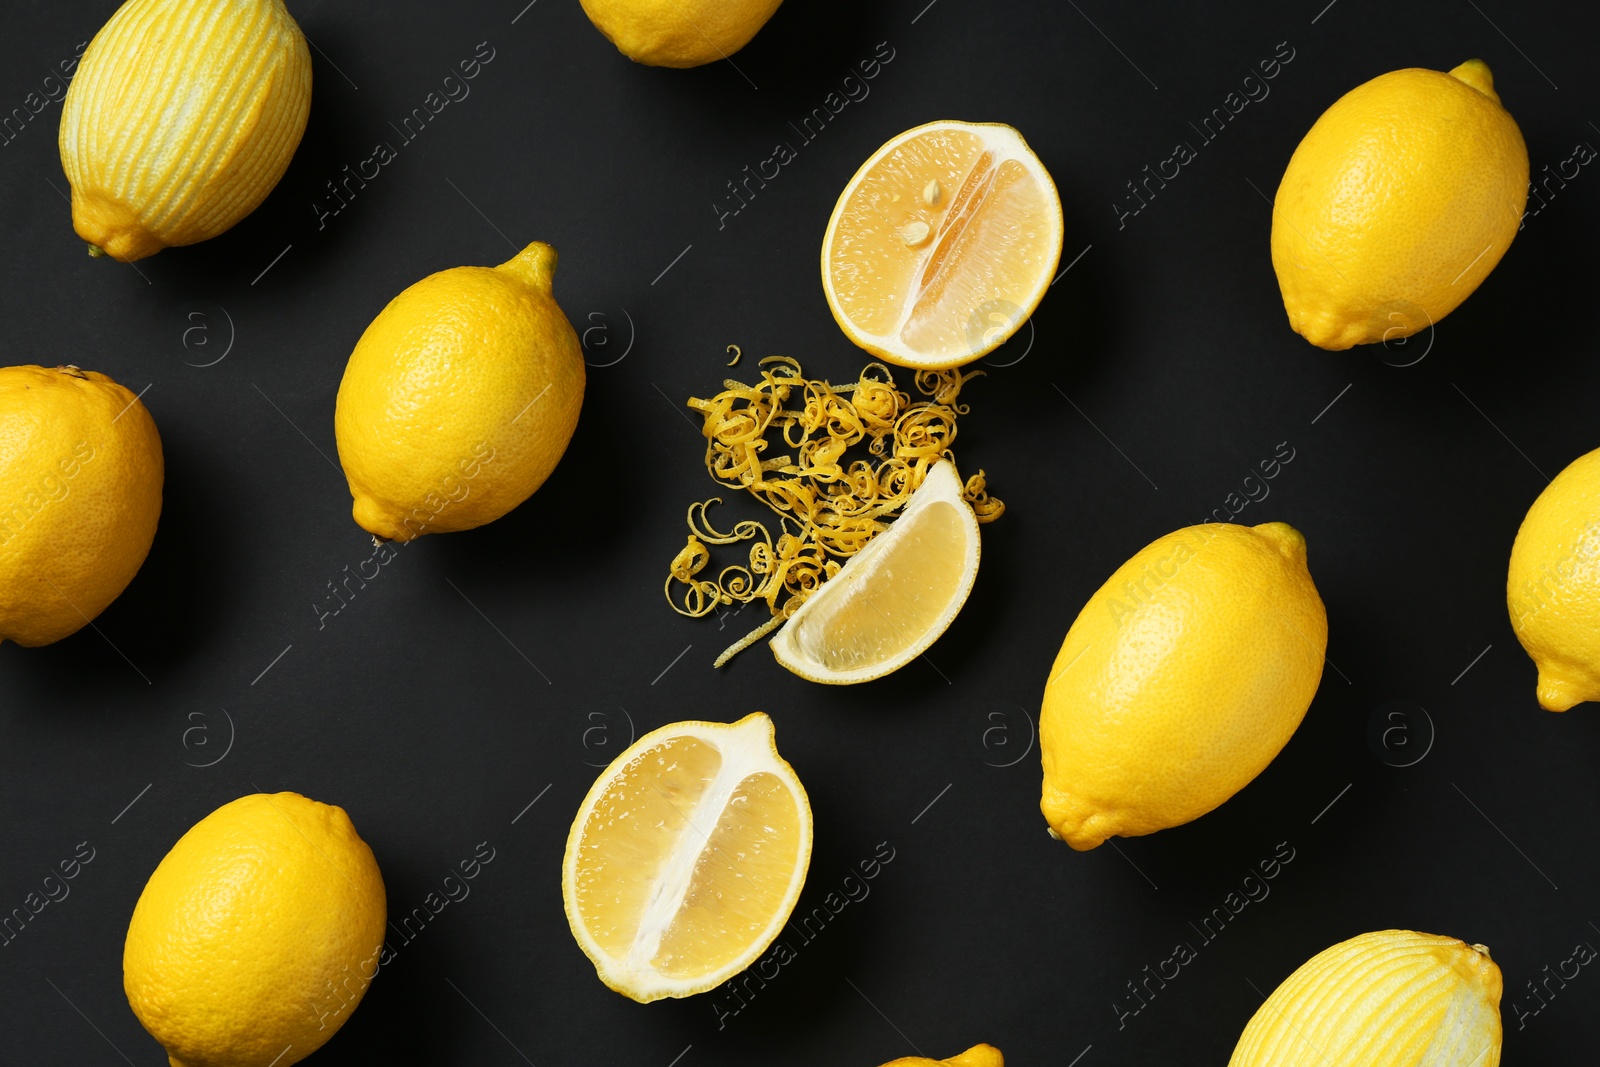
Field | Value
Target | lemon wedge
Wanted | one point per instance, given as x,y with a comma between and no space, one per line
892,599
942,244
686,858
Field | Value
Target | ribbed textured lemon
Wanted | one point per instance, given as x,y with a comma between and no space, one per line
942,244
1388,999
459,399
1553,585
257,935
686,858
1397,205
181,119
893,599
679,33
976,1056
80,483
1180,680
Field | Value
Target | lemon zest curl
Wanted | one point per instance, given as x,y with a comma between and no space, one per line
829,505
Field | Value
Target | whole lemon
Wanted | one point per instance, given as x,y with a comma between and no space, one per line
1394,998
1553,585
181,119
257,935
679,33
80,494
1397,205
976,1056
1180,680
459,399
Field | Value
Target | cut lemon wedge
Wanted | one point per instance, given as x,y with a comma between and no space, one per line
686,858
942,244
893,599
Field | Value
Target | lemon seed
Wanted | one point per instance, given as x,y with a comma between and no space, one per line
915,233
930,193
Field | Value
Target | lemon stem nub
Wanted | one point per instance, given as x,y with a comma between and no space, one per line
1476,73
534,265
96,252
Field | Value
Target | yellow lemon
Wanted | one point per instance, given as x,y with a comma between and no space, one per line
80,488
976,1056
892,600
181,119
1397,205
1388,999
257,935
679,33
1553,585
459,399
686,858
1180,680
942,244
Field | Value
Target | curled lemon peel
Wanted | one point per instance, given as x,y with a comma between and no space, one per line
828,504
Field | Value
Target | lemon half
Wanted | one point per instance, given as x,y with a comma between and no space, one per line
686,858
942,244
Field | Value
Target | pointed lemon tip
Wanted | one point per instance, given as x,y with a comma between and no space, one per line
377,521
534,265
1476,73
978,1056
1558,694
1289,541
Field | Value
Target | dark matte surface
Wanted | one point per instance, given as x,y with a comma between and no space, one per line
484,670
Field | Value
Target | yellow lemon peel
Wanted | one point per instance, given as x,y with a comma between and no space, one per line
828,504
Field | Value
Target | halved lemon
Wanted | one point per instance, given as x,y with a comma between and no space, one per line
686,858
942,244
893,599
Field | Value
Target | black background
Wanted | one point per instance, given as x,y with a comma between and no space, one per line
483,670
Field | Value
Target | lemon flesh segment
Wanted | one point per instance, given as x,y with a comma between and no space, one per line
687,858
892,599
1393,998
942,244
